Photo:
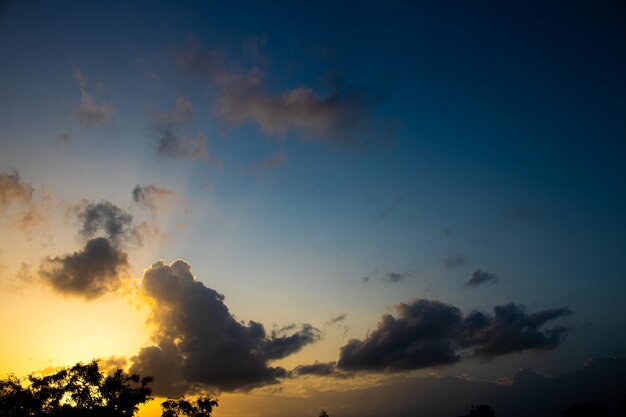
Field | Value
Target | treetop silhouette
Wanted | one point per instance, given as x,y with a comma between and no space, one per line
81,390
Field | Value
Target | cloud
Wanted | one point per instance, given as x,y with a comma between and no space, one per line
511,330
115,222
93,271
13,190
394,277
429,333
198,343
340,115
480,277
153,197
31,214
326,369
171,144
336,319
336,116
89,111
455,261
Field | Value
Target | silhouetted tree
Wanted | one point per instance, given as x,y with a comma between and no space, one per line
323,413
201,407
79,391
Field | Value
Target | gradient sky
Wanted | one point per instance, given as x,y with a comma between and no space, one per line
317,164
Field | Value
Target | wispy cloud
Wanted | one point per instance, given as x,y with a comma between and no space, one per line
90,112
455,261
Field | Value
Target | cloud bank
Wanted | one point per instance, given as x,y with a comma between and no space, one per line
428,333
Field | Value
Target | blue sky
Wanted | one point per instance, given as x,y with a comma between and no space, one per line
315,144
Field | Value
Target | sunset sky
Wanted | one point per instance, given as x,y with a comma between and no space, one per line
388,209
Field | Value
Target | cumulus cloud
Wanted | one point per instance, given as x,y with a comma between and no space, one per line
481,277
511,329
89,111
96,269
198,343
455,261
153,197
429,333
104,216
13,189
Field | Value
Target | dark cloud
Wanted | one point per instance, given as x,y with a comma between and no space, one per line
96,269
481,277
153,197
104,216
198,343
455,261
428,333
89,111
327,369
13,189
317,368
175,147
394,277
511,330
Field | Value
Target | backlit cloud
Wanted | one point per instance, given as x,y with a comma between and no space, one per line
104,216
93,271
198,343
13,190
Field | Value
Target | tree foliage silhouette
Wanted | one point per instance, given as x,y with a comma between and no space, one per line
79,391
201,407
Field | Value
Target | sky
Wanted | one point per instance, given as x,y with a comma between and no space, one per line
382,208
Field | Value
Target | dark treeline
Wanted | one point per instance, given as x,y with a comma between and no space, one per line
84,391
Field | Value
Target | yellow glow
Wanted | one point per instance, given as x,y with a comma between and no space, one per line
43,330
